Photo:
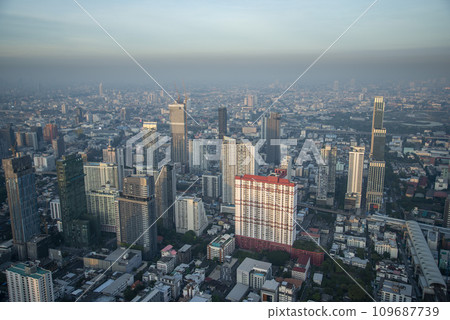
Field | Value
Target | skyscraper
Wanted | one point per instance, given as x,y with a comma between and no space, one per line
447,212
100,89
273,132
29,283
22,200
50,132
77,229
59,147
178,126
98,174
264,212
165,189
136,214
101,206
190,215
355,175
222,122
329,156
237,159
7,140
375,181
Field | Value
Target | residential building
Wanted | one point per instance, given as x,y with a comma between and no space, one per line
190,215
221,247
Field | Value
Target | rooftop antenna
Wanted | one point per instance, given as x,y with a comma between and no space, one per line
178,94
185,95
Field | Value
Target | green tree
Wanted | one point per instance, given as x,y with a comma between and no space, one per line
189,237
278,257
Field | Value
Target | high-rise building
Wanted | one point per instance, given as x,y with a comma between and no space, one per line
375,180
98,174
29,283
178,126
101,206
190,215
222,122
220,247
136,214
265,212
237,159
329,156
39,137
375,185
355,175
22,200
50,132
115,156
7,140
212,185
59,147
273,133
322,184
100,89
55,209
165,189
447,212
78,230
78,115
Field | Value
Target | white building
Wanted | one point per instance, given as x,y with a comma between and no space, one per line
29,283
355,174
389,246
101,204
392,291
44,163
221,247
55,209
253,273
236,159
358,242
265,210
190,215
98,174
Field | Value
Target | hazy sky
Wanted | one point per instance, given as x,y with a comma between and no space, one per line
52,39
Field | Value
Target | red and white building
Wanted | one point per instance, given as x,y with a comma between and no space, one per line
265,209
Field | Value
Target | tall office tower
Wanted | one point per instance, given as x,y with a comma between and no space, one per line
39,137
265,212
212,186
115,156
222,122
375,185
190,215
136,214
375,181
355,175
198,153
64,108
178,126
447,212
322,185
273,132
78,115
286,163
31,140
20,139
98,174
166,193
100,89
59,147
329,156
7,140
109,154
50,132
237,159
77,228
124,114
101,205
22,200
29,283
251,100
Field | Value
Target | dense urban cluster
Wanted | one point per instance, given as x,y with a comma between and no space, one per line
334,192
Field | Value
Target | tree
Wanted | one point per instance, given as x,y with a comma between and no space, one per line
189,237
278,257
360,253
356,293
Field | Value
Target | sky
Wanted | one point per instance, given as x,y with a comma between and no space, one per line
54,41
